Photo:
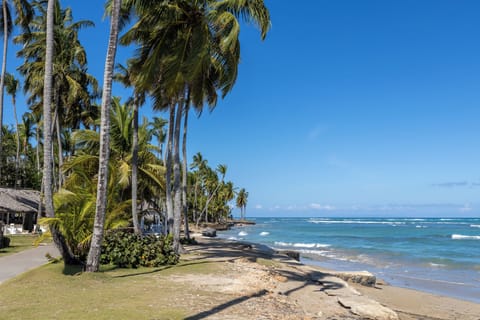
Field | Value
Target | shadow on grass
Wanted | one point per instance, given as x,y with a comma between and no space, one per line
71,270
205,314
160,269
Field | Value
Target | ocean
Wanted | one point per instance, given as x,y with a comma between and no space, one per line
436,255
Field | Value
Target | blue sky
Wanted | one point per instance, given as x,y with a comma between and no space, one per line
347,108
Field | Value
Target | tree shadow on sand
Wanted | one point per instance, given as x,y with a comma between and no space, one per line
223,306
295,276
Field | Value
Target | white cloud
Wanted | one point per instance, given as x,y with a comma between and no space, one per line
258,206
316,206
466,208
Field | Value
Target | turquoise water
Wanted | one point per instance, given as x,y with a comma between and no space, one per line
435,255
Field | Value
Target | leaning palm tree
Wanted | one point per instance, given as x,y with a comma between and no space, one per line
93,259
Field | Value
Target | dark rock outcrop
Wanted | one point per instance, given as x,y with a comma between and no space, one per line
209,232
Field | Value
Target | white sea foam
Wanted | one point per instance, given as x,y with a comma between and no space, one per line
302,245
464,237
356,222
475,225
232,238
264,233
242,234
437,265
422,227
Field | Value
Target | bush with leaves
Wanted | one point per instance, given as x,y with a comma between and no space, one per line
188,241
5,242
129,250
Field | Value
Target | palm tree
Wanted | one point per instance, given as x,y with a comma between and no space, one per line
72,84
12,85
58,239
24,15
190,39
215,185
93,259
242,199
47,117
199,164
127,77
158,125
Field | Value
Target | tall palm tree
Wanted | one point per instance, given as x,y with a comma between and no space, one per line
158,125
242,199
93,259
12,85
58,239
24,15
199,164
72,84
47,116
215,184
126,76
191,38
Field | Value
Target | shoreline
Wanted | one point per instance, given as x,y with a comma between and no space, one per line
418,273
408,303
412,281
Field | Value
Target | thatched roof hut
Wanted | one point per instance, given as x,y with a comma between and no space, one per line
19,203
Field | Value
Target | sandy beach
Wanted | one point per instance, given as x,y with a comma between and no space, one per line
278,287
216,279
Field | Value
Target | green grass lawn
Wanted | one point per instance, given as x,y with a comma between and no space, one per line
52,292
19,242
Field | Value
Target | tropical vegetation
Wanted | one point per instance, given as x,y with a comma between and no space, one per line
98,164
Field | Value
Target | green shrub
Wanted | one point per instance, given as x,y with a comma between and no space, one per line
188,241
5,242
129,250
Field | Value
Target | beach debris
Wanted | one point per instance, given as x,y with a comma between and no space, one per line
290,253
209,232
367,308
363,278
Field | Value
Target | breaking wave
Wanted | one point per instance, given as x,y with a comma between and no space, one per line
464,237
302,245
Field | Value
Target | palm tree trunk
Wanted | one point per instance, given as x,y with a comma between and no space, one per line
168,168
136,227
17,136
185,168
60,149
177,212
58,239
195,205
54,176
40,202
93,259
2,77
209,199
37,151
